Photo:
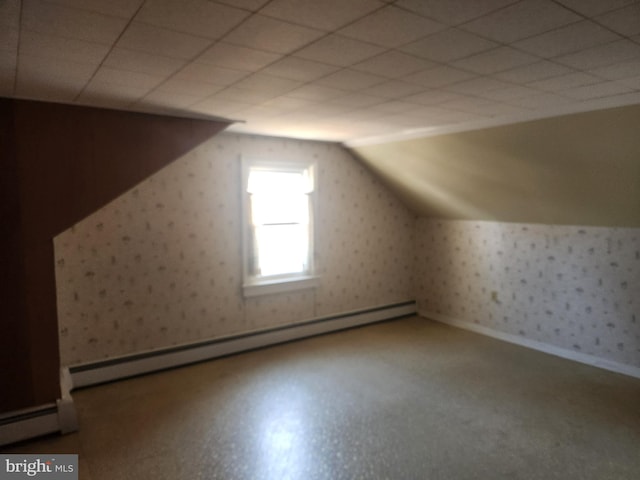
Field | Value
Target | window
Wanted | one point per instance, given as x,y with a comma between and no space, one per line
278,220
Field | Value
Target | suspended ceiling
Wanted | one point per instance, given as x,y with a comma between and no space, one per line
340,70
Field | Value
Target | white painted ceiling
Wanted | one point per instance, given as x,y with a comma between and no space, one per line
325,69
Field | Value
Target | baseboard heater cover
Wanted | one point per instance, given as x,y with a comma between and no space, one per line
94,373
42,420
534,345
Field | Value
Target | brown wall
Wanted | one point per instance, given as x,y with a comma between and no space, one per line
580,169
60,163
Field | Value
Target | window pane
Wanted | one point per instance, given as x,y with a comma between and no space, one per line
261,181
282,249
279,208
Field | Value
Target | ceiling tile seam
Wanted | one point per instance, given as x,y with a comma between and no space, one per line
115,42
455,25
593,19
14,87
289,54
86,8
199,54
335,30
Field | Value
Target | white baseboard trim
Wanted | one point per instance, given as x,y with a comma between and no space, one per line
534,345
42,420
94,373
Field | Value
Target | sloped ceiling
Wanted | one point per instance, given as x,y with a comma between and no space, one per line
580,169
326,69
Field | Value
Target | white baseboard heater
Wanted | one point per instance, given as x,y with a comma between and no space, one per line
44,419
131,365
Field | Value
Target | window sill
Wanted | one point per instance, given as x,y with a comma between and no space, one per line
271,287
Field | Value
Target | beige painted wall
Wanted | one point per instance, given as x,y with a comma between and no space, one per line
161,265
581,169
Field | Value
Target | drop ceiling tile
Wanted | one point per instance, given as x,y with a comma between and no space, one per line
47,90
7,78
236,57
299,69
438,76
433,97
126,78
631,82
496,60
625,21
9,40
316,93
124,59
533,71
218,106
393,64
394,106
357,100
189,87
325,109
619,71
453,12
326,15
521,20
602,55
117,8
47,18
393,89
509,93
564,82
262,82
540,101
391,27
99,88
202,72
37,44
595,7
9,14
477,86
439,116
480,106
568,39
448,45
347,79
287,104
160,41
272,35
251,5
31,67
598,90
245,95
48,79
339,50
195,17
170,99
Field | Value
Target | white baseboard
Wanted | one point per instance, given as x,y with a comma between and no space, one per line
542,347
130,365
42,420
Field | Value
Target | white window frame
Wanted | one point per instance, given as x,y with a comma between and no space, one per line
254,285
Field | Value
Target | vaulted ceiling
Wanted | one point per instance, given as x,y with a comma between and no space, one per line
326,69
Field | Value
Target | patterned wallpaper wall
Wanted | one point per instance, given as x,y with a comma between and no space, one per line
161,265
571,287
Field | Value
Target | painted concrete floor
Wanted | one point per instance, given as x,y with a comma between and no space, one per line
407,399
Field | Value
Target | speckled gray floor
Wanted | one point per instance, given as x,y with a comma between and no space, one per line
408,399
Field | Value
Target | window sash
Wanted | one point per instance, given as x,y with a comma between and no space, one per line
298,271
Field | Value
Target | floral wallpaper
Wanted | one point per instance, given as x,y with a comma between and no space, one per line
571,287
161,265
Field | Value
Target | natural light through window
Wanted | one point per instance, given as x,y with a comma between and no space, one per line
279,218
